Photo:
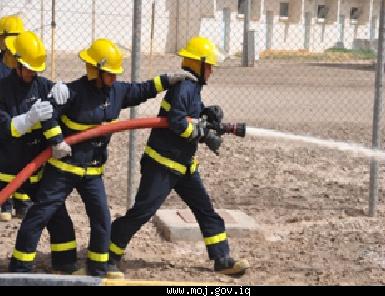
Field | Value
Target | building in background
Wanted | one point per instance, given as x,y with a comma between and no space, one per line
314,25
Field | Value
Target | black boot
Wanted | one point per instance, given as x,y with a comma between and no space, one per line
68,269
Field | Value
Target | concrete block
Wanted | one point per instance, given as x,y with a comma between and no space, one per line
22,279
176,224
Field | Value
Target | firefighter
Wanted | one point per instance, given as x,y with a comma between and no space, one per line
94,99
10,25
168,163
25,131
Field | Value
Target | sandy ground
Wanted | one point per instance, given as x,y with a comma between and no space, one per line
310,202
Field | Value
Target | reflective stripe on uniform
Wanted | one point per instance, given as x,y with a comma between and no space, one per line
75,125
63,246
116,250
216,239
169,162
165,161
194,166
15,133
53,132
158,84
24,256
76,170
21,196
165,105
98,257
188,131
6,178
36,178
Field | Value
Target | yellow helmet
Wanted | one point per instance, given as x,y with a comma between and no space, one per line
199,47
28,49
105,55
11,25
2,21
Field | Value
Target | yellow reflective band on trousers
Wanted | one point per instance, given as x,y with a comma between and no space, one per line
216,239
187,133
98,257
15,133
63,246
21,196
116,250
75,125
53,132
76,170
24,256
165,161
6,178
158,84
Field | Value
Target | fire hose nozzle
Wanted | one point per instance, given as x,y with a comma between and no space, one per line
238,129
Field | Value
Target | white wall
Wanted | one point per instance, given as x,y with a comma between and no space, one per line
178,20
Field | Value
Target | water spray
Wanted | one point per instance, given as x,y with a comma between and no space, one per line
356,149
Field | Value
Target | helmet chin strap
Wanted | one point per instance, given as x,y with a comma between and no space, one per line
202,80
100,77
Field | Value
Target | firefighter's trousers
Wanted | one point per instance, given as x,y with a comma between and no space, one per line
55,186
155,185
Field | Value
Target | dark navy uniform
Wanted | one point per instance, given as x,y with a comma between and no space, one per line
7,205
88,106
16,98
168,163
4,70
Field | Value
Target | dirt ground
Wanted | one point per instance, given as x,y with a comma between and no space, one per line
310,202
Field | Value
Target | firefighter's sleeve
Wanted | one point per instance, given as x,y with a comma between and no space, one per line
51,128
177,116
136,93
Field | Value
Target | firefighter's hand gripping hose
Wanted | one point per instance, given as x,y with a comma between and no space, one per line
117,126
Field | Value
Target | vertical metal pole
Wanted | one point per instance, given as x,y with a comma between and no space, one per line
152,35
42,20
177,33
53,39
269,28
377,114
246,27
93,20
135,77
227,29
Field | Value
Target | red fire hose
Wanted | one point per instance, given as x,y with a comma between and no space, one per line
98,131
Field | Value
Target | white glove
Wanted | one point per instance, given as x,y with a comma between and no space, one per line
61,150
60,93
180,75
39,111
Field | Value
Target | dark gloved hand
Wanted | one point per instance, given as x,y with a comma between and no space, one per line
214,114
213,141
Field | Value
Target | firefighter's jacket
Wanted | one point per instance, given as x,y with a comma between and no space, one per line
89,106
173,148
16,98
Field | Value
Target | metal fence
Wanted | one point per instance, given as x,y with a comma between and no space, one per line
311,64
